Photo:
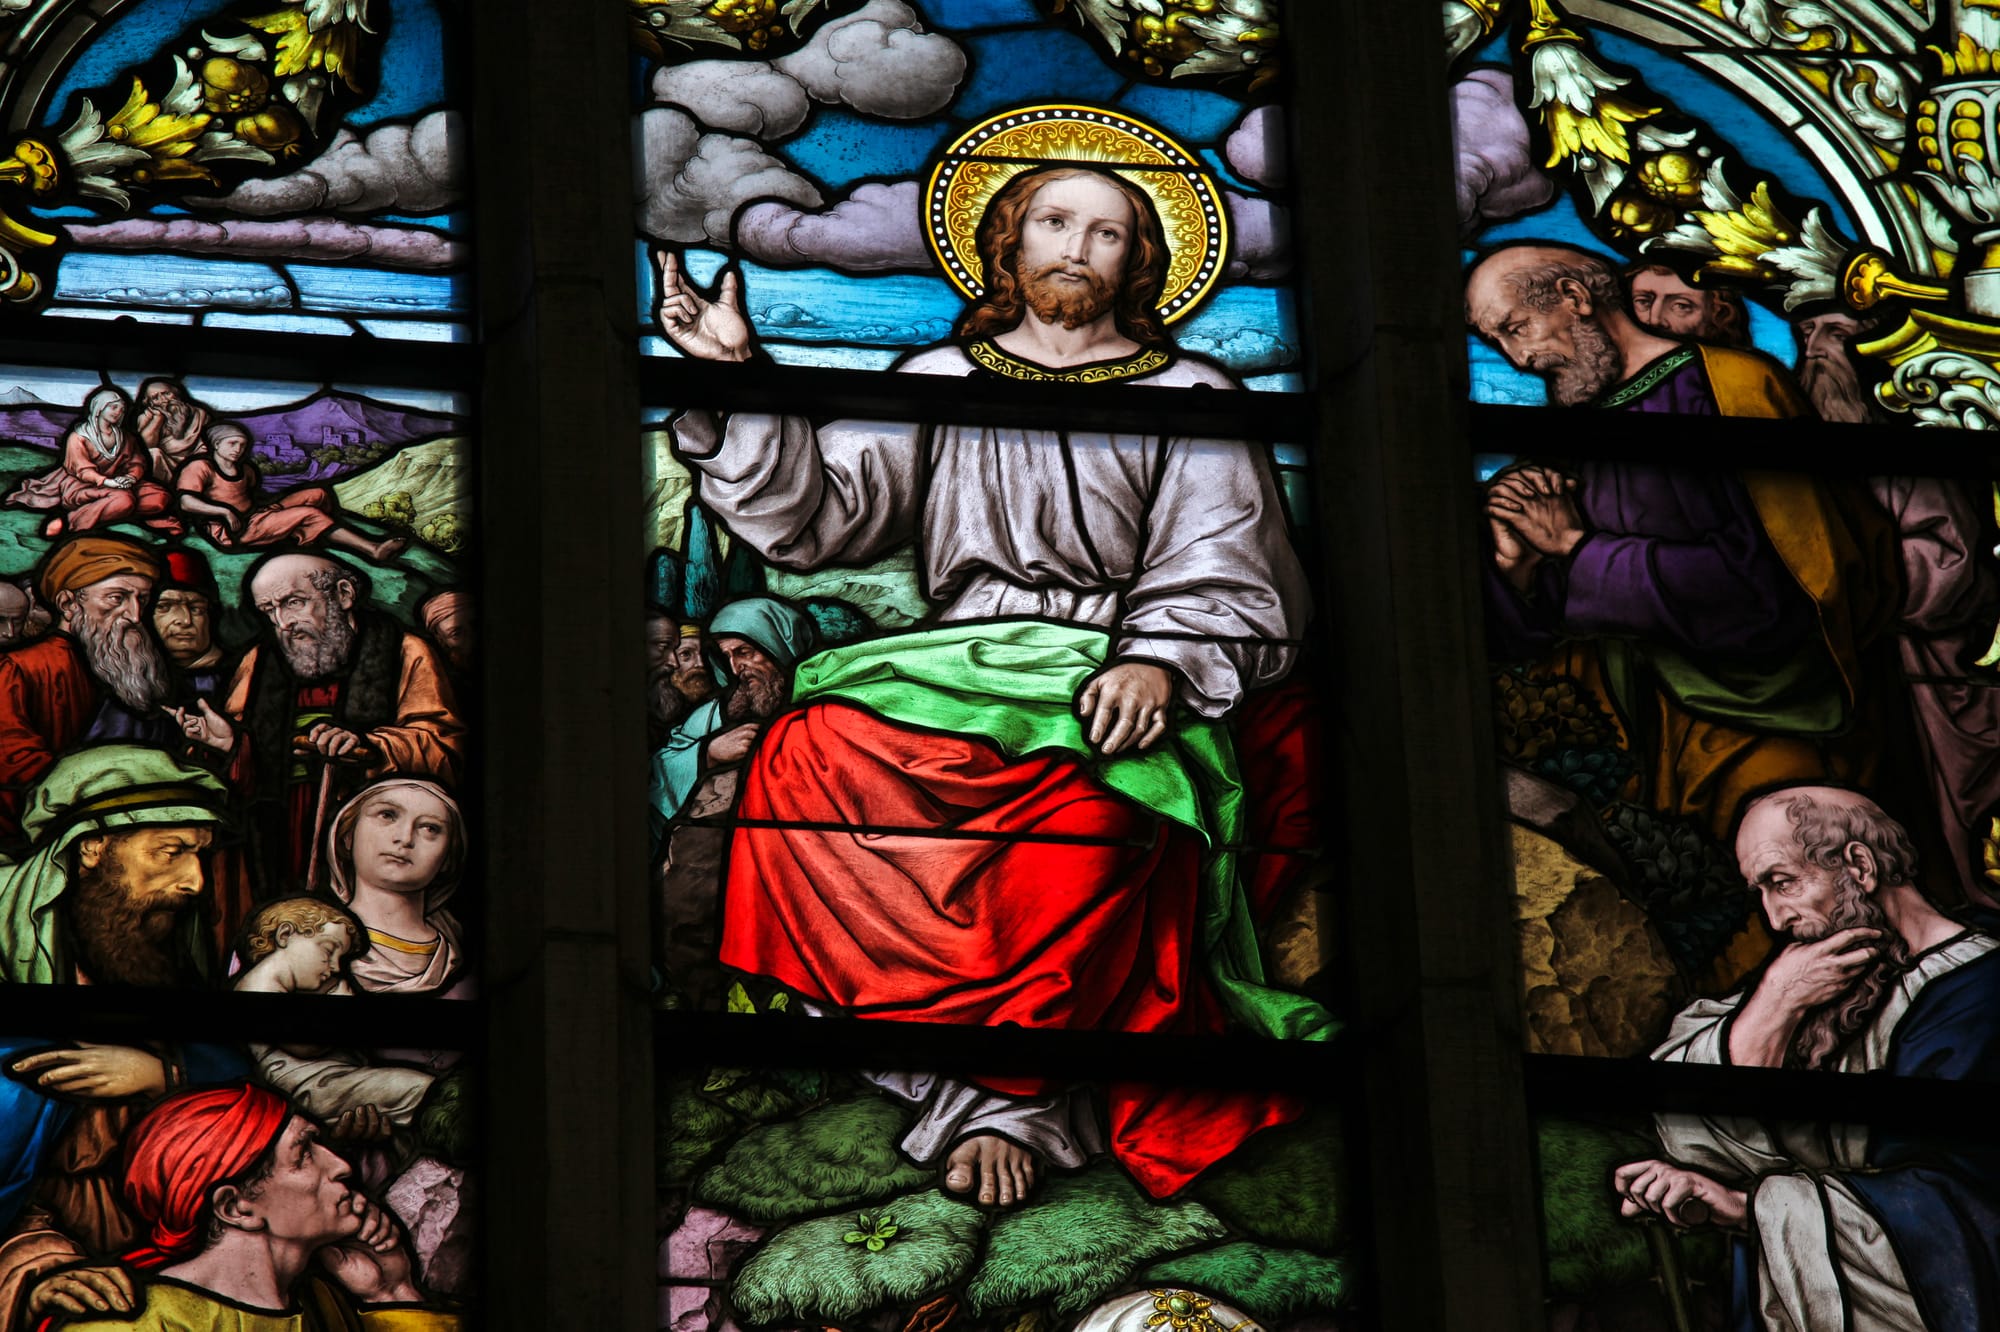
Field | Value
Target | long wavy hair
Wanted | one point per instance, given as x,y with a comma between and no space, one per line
1136,306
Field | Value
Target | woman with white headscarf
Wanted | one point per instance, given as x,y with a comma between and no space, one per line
105,475
396,850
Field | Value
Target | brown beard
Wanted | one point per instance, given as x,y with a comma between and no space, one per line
1585,376
316,654
694,684
1834,388
120,938
1824,1032
756,696
1069,303
122,657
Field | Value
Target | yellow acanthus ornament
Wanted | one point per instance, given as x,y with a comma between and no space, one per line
1581,106
335,47
164,133
1744,236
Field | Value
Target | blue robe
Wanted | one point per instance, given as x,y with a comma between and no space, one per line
1938,1199
32,1122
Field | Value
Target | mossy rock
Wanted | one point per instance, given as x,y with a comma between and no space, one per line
691,1130
756,1101
1266,1283
839,1155
1081,1239
1591,1248
1284,1187
810,1272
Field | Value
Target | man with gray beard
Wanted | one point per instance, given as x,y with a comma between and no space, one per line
1839,1226
1826,368
338,694
99,677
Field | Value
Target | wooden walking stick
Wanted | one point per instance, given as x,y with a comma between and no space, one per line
320,807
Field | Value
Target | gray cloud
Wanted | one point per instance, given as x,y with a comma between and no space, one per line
879,61
325,239
745,96
1255,149
874,228
1497,178
692,183
1263,239
413,168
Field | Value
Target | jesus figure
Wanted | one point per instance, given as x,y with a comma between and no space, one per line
1102,605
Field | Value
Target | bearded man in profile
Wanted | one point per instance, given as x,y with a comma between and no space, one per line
101,676
1841,1226
1092,597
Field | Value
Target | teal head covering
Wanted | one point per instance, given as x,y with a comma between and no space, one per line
104,789
786,634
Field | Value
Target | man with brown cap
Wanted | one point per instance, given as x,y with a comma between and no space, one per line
99,676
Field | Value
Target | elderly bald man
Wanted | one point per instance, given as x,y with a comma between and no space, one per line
336,694
1842,1226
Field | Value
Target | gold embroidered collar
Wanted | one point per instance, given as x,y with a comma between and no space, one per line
390,941
1143,362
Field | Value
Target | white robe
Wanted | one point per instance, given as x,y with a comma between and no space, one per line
1823,1260
1176,545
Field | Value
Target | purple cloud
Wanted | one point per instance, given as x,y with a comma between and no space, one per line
873,229
1497,178
323,239
1262,239
1255,149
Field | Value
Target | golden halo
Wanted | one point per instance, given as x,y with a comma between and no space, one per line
993,152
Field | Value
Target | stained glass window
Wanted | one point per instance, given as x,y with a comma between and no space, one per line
1741,677
842,163
816,1196
989,702
291,167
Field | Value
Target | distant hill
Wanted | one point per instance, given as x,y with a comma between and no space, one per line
18,395
425,490
328,436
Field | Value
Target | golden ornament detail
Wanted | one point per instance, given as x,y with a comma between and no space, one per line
1182,1311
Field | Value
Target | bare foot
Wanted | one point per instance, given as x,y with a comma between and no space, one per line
1003,1170
52,528
389,550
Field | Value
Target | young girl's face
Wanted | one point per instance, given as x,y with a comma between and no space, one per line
313,960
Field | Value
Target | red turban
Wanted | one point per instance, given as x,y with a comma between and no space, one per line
189,1144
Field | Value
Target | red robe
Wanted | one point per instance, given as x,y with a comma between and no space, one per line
1092,930
47,700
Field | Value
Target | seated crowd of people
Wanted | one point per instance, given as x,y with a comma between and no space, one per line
271,815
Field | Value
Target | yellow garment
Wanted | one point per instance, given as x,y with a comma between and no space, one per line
171,1307
1747,383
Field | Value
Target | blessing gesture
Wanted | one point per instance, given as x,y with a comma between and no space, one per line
704,328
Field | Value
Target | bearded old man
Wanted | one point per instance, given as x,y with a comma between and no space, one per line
757,642
1725,618
254,1224
100,676
1103,605
171,425
110,896
336,695
1842,1227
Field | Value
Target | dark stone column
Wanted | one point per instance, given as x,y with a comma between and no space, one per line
1428,935
569,1188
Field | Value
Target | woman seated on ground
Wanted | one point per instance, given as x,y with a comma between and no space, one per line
220,492
103,478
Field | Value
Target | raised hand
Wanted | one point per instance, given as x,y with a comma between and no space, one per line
706,329
1125,706
205,726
